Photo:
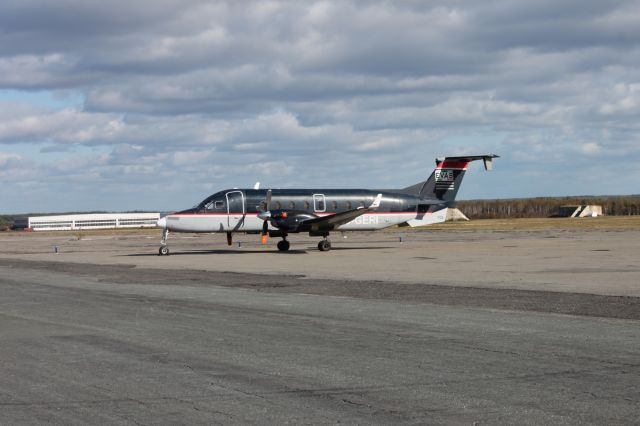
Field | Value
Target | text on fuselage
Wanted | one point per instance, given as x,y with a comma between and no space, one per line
367,219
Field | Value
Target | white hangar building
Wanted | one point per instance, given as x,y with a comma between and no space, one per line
91,221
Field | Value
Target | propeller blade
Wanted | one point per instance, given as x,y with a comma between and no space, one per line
264,211
265,232
267,200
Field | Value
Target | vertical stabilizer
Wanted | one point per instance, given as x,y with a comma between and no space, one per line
444,183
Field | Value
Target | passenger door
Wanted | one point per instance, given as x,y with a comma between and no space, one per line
236,210
319,203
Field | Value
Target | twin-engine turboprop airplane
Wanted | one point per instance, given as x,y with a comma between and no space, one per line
280,212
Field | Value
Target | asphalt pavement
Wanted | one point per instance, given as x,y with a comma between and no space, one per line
95,344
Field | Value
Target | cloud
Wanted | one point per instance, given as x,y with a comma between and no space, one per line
6,158
590,148
182,97
22,123
14,169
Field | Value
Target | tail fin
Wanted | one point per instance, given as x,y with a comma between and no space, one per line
445,181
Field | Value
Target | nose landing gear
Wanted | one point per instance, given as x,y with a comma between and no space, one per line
164,250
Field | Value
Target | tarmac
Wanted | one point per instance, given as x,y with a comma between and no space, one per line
387,328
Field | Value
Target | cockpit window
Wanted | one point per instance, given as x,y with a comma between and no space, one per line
214,205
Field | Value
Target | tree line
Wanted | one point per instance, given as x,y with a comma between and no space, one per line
546,206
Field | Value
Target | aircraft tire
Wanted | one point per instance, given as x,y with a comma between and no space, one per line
163,251
324,245
283,245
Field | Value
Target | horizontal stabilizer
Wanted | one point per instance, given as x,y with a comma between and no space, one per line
487,159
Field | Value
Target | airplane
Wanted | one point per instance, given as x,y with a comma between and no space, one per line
318,212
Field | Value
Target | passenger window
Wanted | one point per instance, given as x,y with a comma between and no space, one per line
292,205
306,205
219,205
349,205
262,206
361,204
278,205
334,205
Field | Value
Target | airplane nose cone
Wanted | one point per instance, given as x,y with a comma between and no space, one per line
162,222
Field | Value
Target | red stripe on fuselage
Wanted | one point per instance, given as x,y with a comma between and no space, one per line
255,214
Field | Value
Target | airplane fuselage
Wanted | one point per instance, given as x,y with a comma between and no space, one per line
236,210
318,212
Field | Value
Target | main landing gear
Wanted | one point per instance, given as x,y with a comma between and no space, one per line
164,250
283,245
324,245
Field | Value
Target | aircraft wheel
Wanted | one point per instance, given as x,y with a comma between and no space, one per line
163,251
324,245
283,245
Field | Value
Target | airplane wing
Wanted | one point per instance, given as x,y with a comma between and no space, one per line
327,223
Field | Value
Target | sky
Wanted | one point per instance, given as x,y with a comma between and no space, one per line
153,105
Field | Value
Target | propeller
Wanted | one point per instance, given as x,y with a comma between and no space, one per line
265,215
270,216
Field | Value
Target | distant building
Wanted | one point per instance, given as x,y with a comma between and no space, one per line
87,221
580,211
20,223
